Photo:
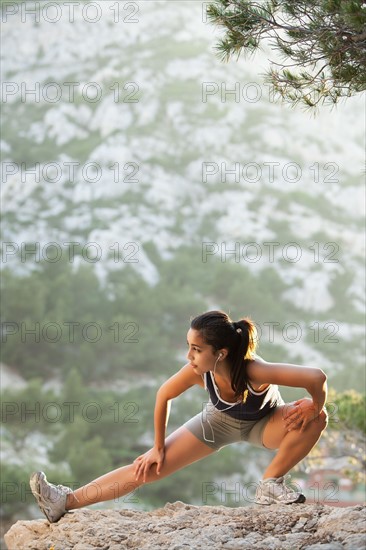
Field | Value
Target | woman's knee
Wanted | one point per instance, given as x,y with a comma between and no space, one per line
151,475
323,418
321,421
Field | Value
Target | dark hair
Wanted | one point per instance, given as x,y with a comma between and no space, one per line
219,331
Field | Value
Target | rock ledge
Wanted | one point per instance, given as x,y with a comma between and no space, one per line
180,526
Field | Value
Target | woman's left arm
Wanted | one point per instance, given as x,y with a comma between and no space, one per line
312,379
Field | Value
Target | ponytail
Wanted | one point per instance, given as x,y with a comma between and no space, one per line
247,335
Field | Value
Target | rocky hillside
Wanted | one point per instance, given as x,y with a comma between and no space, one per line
166,154
180,526
139,141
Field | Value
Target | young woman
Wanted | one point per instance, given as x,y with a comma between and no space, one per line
245,405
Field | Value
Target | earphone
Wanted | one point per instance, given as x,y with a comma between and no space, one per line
212,440
218,358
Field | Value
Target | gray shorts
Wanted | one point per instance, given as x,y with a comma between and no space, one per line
217,429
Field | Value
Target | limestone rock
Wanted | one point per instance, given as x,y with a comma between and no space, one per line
180,526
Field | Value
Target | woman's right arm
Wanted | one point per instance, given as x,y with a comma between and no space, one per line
177,384
174,386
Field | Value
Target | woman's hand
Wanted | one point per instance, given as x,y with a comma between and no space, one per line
300,413
145,461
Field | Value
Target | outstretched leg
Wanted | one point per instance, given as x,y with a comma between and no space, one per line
181,449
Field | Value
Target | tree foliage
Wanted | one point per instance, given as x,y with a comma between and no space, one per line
322,44
344,439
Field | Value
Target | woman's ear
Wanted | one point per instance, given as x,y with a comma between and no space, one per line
223,353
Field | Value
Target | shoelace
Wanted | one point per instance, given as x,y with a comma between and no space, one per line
67,489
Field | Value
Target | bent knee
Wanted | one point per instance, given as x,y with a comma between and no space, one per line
323,416
321,421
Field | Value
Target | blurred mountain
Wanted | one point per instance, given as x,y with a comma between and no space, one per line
124,135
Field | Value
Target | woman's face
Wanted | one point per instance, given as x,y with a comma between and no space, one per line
201,355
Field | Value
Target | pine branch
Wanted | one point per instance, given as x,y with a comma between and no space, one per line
323,33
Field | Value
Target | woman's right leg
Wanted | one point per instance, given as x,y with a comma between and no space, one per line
181,449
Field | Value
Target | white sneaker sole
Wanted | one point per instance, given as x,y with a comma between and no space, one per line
35,485
267,501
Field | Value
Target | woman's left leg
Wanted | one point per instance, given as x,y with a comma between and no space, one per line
292,446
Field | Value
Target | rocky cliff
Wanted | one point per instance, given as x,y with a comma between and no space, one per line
181,526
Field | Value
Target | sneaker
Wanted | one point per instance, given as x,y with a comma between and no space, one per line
273,490
50,498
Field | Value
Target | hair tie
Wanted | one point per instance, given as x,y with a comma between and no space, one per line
236,328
